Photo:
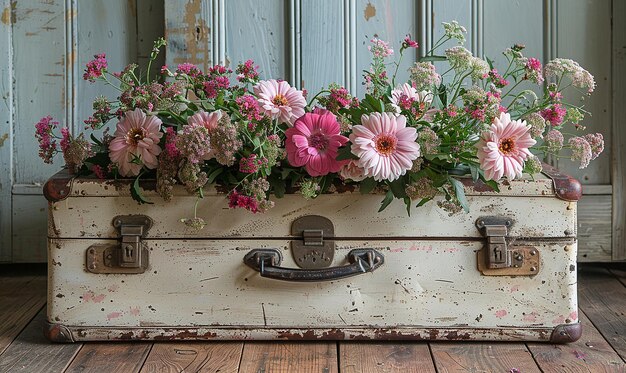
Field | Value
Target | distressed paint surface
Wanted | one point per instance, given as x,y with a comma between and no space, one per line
540,215
205,283
6,130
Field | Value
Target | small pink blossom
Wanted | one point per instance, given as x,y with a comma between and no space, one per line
251,164
596,141
98,171
170,143
352,171
503,148
533,70
188,69
96,67
249,108
313,142
385,146
409,43
380,48
238,200
136,143
554,115
280,100
44,134
247,72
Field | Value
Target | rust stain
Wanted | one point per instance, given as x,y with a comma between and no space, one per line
132,6
6,16
195,32
3,138
370,11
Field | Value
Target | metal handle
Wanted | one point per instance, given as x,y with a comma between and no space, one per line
267,263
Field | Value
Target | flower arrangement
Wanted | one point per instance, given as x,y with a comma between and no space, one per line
260,138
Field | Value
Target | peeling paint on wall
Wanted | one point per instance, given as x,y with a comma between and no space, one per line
3,138
370,11
6,16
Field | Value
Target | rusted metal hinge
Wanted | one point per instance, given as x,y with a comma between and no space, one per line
313,246
498,257
130,256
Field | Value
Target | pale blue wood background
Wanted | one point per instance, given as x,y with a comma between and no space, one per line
45,44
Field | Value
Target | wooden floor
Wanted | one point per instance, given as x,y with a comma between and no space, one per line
602,347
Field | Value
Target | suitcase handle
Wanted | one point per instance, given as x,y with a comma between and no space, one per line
267,263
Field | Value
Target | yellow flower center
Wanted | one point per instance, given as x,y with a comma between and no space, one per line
385,144
135,135
280,100
506,146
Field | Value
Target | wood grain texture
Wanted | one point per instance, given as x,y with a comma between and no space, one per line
583,34
618,134
322,29
6,129
289,357
602,297
20,300
594,228
30,214
194,357
150,16
32,353
482,357
359,357
591,353
188,30
110,357
258,30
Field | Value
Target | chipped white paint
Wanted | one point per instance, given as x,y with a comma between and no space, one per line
197,281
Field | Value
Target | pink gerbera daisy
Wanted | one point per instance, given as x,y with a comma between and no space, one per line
403,97
313,142
136,142
385,146
503,149
280,100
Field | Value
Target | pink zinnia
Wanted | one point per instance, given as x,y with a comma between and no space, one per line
136,138
313,142
385,146
503,149
280,100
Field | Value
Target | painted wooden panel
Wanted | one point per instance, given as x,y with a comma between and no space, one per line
618,138
594,228
387,20
258,30
583,33
29,239
323,43
188,33
6,129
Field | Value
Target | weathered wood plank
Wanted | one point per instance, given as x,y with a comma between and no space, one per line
483,357
359,357
288,357
322,30
583,34
110,357
30,215
20,300
32,353
194,357
618,134
594,228
6,128
603,299
150,16
591,353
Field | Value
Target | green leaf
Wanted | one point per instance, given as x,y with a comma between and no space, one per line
367,185
475,171
213,175
460,193
345,153
135,192
423,202
398,187
256,142
386,201
95,140
279,187
493,185
407,202
433,58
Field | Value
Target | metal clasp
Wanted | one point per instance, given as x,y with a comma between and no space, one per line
130,256
313,245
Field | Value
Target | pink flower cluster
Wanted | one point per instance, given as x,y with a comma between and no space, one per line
380,48
217,79
249,108
46,139
533,70
247,72
95,67
187,69
554,115
251,164
238,200
497,79
409,43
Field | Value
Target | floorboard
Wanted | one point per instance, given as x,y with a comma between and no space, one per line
358,357
32,353
110,358
482,357
194,357
591,353
602,297
20,300
289,357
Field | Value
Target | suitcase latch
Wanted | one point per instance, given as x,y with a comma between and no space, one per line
313,244
129,256
499,257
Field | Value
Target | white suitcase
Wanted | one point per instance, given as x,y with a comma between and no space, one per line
328,268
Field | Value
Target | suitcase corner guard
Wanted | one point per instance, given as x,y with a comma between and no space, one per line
57,333
566,333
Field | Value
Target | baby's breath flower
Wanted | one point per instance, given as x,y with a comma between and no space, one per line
480,68
554,141
424,76
459,57
537,124
581,151
533,165
454,31
428,140
422,188
309,188
195,223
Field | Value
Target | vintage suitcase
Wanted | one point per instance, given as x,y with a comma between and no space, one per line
328,268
